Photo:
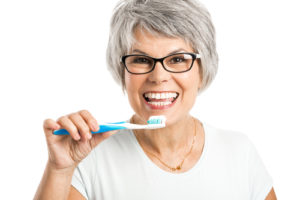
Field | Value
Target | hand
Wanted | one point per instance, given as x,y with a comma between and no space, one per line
66,151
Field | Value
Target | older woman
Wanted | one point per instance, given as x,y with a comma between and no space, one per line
163,54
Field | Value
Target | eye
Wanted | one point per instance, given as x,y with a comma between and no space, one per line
141,60
177,59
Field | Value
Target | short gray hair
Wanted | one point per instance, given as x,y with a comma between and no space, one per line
187,19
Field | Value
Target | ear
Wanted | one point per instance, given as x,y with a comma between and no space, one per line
124,86
201,76
200,85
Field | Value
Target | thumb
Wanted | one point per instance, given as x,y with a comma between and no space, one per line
99,137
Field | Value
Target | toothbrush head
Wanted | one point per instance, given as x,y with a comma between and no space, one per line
157,121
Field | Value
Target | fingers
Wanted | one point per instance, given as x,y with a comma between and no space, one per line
90,120
49,125
79,125
67,124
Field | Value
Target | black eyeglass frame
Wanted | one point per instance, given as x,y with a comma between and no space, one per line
194,57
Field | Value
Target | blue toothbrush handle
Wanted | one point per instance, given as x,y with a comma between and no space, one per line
103,128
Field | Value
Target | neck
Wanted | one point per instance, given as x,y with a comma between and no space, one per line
170,139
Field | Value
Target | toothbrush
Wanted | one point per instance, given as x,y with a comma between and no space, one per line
154,122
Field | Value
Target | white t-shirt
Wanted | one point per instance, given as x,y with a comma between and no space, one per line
228,169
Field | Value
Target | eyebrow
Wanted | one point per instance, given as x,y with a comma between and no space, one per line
180,50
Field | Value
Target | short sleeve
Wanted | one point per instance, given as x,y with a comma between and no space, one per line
77,182
260,181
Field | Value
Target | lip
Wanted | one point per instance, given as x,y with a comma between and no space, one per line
163,107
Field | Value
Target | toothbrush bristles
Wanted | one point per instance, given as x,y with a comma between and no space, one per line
154,121
157,120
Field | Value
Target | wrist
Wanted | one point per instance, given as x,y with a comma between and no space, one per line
60,170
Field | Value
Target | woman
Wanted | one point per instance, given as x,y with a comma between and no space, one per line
163,54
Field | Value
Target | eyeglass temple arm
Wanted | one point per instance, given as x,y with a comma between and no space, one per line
197,56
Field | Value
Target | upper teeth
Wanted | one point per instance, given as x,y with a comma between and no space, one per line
164,95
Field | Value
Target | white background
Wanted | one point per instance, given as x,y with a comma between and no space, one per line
52,63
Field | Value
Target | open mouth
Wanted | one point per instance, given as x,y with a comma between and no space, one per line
160,99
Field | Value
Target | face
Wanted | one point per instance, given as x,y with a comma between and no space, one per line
160,92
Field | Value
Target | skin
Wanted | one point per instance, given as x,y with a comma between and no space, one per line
170,144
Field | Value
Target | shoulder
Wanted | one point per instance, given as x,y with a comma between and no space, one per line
226,136
227,141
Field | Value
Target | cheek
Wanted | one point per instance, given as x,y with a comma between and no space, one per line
126,82
130,90
133,83
190,82
130,82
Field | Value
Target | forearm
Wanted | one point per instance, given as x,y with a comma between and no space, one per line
55,184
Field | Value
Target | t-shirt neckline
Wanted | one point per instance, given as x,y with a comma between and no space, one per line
157,169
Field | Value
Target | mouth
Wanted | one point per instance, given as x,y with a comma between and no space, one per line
160,100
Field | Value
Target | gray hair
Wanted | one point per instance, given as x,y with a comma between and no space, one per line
187,19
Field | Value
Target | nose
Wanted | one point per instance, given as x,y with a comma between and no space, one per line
159,74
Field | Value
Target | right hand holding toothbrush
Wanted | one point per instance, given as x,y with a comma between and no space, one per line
66,151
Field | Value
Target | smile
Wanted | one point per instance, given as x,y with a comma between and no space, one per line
160,100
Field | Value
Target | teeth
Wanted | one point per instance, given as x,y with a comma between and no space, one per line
165,95
157,96
160,103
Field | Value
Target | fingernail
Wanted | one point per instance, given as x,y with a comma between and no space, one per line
90,136
95,126
77,137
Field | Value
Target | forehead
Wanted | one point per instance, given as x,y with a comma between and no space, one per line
156,43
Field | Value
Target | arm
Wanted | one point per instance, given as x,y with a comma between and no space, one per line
75,195
65,152
55,184
271,195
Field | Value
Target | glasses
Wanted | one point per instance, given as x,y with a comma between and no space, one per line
175,63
